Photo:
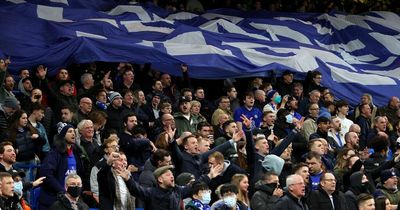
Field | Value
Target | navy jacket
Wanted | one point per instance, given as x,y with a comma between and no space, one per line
54,167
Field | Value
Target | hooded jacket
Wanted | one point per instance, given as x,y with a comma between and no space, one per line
355,189
263,198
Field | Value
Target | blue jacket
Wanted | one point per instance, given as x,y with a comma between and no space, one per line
54,167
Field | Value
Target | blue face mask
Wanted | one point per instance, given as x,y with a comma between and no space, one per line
278,99
18,187
206,198
230,201
289,118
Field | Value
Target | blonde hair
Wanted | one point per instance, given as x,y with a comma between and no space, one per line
242,196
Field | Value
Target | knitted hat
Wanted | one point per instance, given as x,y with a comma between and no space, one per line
114,95
273,163
387,174
62,129
184,179
11,102
271,94
161,170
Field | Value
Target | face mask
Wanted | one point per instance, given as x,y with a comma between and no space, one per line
206,198
364,187
273,185
74,191
230,201
289,118
18,188
278,99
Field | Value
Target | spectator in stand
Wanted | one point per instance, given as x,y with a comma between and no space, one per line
232,95
327,196
342,110
324,124
63,159
314,83
248,110
242,183
109,146
230,128
388,187
101,100
366,98
6,81
379,128
87,142
383,203
85,107
128,80
259,99
358,185
313,98
207,107
275,100
352,141
184,120
285,85
364,122
267,193
8,199
99,119
310,122
25,90
219,128
390,109
70,199
195,107
335,132
293,198
365,202
223,108
169,89
229,200
292,105
302,170
158,159
9,106
114,110
34,119
157,89
314,162
201,197
298,91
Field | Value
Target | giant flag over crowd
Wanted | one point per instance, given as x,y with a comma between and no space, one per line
355,53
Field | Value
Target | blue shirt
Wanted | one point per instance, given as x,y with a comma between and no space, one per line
254,113
314,180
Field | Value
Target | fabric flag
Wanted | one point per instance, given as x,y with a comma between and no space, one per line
356,53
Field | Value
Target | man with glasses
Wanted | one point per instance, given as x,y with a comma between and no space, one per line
326,196
295,192
268,192
85,107
70,199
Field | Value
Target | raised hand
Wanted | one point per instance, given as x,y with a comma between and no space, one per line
237,136
246,121
215,170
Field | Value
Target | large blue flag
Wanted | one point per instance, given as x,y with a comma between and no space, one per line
356,53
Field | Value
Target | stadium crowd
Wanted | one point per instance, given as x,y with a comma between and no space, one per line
313,6
126,136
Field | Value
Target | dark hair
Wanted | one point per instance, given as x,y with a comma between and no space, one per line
363,197
125,91
158,155
3,145
228,188
4,174
97,116
185,140
13,126
249,94
311,155
36,106
138,130
197,186
379,143
128,115
185,90
202,124
298,167
268,175
226,124
380,202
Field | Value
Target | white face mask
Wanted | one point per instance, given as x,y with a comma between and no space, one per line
18,187
230,201
206,198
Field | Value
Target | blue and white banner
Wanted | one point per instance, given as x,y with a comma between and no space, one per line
355,53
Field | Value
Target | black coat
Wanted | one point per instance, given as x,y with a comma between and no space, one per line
289,202
319,199
263,198
63,203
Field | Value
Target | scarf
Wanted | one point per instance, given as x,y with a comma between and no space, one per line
130,204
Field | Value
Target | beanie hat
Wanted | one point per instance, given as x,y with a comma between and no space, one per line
184,179
11,102
62,129
114,95
273,163
271,94
387,174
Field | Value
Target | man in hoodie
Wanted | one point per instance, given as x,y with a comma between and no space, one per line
388,187
326,196
268,192
358,184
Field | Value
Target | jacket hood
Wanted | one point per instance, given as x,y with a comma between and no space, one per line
260,185
22,89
